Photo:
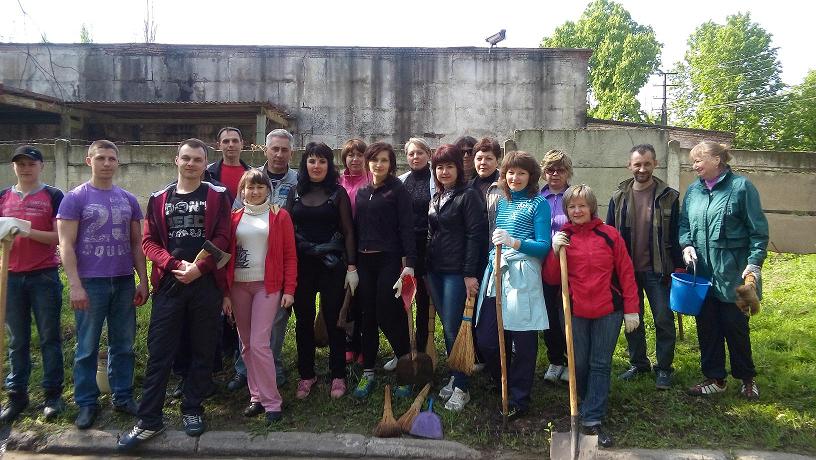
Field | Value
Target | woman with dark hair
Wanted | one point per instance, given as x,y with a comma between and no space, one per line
385,235
457,235
603,293
486,155
261,278
324,231
523,231
465,145
421,187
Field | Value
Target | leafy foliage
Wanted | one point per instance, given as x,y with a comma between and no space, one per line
625,53
85,35
798,127
730,81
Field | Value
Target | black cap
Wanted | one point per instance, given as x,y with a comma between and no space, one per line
27,151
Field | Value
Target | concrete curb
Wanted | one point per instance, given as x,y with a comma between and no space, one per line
243,444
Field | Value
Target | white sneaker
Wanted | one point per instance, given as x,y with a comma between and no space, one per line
554,372
478,367
446,391
457,400
391,365
565,374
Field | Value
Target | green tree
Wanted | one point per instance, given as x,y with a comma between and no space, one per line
798,127
730,81
85,35
624,54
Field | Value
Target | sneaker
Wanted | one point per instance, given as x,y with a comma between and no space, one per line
178,391
364,386
565,374
338,388
633,372
349,357
237,382
391,365
514,412
663,379
457,400
360,359
273,416
478,367
128,407
135,437
446,391
193,424
604,438
749,389
553,373
305,387
708,387
403,391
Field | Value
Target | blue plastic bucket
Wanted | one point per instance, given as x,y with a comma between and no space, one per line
687,293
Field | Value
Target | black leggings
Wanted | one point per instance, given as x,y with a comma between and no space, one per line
314,277
378,272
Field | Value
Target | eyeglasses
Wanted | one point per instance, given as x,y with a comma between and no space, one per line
552,171
467,151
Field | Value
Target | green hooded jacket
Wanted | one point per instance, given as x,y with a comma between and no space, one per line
728,230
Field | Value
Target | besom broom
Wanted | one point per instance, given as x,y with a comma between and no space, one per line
463,356
408,417
388,426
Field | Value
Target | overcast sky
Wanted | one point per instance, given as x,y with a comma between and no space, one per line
421,23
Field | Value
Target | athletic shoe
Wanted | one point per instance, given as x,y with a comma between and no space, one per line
338,388
402,391
364,386
708,387
193,424
633,372
446,391
553,373
305,387
237,382
478,367
349,357
663,379
391,365
457,400
565,374
135,437
273,416
749,389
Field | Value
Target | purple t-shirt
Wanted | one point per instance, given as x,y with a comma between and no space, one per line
103,237
555,200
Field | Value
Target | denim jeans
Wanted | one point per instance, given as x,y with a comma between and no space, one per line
652,285
39,293
449,294
594,342
276,343
109,299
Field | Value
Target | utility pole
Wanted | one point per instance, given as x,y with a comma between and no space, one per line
664,113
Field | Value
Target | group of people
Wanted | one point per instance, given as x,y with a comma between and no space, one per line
464,216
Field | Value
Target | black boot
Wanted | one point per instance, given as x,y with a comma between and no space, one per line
86,417
604,438
17,403
53,405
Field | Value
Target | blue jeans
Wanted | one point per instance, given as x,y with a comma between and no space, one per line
109,299
449,293
594,341
276,343
652,285
39,293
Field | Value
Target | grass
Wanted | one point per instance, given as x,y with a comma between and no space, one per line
784,346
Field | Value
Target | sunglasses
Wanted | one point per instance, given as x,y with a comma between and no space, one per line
552,171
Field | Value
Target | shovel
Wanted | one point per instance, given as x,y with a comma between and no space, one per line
5,246
413,368
500,324
570,445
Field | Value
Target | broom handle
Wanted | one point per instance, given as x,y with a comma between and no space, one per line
5,246
565,299
500,324
411,336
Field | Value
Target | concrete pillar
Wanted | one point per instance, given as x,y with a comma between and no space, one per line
260,128
65,125
673,165
62,149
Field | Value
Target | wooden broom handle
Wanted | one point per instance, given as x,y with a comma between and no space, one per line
565,300
5,246
500,326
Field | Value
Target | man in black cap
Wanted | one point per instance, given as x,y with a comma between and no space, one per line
28,212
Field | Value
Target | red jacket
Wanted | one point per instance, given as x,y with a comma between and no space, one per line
596,252
216,229
281,259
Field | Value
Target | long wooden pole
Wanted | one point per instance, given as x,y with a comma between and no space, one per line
500,325
573,387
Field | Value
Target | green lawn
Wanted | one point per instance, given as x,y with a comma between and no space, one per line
784,345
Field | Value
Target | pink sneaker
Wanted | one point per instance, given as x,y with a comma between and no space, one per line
338,388
349,357
305,387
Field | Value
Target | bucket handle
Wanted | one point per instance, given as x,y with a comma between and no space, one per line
694,269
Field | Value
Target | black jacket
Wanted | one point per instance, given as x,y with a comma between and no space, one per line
457,233
384,220
213,170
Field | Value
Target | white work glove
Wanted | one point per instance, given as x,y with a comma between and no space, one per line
559,240
501,236
689,255
11,227
753,269
397,287
631,321
352,280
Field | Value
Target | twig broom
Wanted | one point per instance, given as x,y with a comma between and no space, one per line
388,426
407,419
462,355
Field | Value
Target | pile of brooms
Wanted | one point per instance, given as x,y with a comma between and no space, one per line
421,424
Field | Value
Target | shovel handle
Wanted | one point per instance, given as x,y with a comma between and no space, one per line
500,327
5,246
565,300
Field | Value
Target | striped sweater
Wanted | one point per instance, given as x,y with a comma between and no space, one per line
526,219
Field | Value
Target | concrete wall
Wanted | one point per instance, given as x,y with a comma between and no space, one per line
335,93
786,180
